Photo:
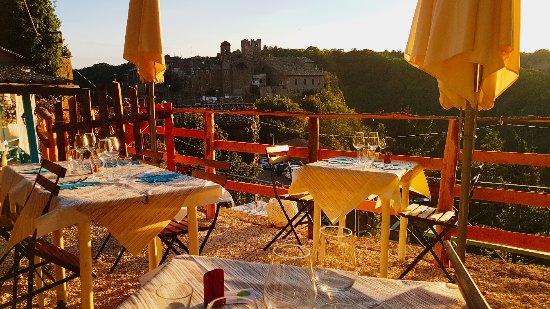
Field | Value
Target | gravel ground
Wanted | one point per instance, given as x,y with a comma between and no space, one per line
241,236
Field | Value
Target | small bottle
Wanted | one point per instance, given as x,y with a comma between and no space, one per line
387,157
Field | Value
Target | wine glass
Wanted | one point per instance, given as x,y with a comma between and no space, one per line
113,152
290,282
90,141
102,150
235,302
336,266
358,141
382,145
80,145
372,143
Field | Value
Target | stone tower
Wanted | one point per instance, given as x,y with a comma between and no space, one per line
226,76
251,48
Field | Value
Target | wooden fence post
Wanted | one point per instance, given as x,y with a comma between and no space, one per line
103,112
209,152
59,128
85,102
119,116
132,93
448,178
169,138
313,139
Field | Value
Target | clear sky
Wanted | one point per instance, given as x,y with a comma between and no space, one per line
94,30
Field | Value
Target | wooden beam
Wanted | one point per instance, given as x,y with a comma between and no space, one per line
313,139
26,89
118,110
507,238
515,158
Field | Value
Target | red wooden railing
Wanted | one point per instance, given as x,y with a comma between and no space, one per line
446,191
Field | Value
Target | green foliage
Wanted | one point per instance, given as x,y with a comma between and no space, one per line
101,74
284,128
7,111
42,48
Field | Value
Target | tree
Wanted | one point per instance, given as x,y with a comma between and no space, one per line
334,133
280,128
31,28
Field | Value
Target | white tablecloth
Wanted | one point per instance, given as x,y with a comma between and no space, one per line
134,212
367,292
338,186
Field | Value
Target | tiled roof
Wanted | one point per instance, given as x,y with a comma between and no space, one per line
22,75
292,65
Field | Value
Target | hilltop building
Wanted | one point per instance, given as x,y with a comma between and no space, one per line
244,73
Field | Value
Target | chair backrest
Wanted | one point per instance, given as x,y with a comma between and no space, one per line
468,288
221,168
48,184
277,154
150,157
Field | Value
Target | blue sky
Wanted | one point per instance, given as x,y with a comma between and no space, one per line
94,30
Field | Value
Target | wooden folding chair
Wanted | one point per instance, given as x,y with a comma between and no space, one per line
279,155
169,236
33,248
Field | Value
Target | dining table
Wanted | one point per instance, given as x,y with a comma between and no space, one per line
338,185
133,209
366,292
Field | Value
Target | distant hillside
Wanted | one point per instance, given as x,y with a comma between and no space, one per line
383,81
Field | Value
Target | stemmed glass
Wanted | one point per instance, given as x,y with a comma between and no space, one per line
81,146
336,251
382,145
103,147
290,282
358,143
373,142
113,151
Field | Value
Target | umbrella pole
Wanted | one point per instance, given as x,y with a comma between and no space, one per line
467,153
152,116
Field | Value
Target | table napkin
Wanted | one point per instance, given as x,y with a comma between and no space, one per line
341,160
34,171
76,185
157,177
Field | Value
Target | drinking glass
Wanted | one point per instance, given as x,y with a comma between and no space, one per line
81,146
90,141
358,141
336,266
113,151
174,296
373,142
235,302
382,144
102,150
290,282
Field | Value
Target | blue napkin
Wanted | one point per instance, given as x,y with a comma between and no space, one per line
34,171
157,177
110,164
82,184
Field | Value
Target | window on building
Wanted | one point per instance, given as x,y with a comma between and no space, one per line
304,81
206,81
295,81
312,81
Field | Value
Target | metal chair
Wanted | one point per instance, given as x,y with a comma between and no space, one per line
279,155
38,251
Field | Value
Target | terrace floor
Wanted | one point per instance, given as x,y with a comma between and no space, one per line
240,236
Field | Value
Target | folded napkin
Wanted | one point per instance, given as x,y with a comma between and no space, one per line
76,185
157,177
34,171
341,160
110,164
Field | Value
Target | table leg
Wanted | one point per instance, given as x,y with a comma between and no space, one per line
316,229
61,290
39,283
85,248
193,230
384,238
154,249
402,251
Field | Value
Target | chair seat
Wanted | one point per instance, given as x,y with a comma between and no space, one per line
63,258
182,227
430,214
297,197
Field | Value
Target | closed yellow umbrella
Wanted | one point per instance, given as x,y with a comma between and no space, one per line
143,47
472,48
